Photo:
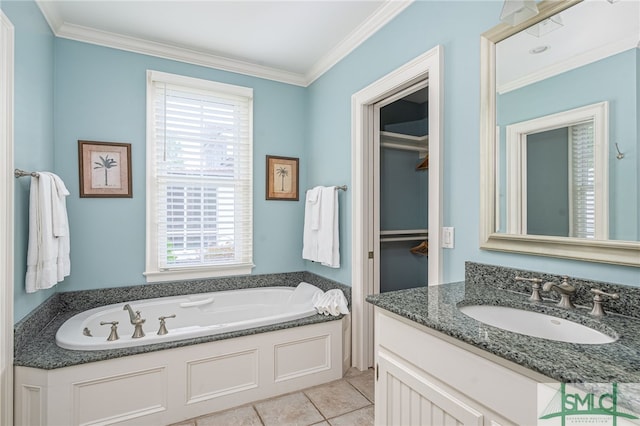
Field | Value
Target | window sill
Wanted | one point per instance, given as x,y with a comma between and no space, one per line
197,273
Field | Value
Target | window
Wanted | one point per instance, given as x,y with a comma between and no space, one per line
199,178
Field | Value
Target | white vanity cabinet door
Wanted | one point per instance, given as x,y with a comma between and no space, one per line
405,396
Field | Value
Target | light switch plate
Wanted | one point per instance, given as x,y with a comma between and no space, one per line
447,237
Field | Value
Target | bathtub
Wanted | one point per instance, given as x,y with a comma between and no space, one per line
196,315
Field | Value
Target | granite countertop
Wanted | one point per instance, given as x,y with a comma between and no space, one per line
436,307
42,351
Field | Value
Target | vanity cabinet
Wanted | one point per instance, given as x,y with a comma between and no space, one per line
427,378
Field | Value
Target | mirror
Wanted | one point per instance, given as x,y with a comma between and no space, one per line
559,133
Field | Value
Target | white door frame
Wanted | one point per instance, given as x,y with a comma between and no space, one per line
6,219
428,65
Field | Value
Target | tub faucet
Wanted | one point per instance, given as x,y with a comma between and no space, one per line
564,289
136,321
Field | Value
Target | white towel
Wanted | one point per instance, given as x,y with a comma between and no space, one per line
304,293
48,260
331,302
321,240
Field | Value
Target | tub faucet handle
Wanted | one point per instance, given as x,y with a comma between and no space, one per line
114,330
163,328
597,310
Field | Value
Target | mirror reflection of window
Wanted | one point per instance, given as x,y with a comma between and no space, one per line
561,182
582,186
557,174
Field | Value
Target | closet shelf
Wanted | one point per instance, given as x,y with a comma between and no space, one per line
404,142
404,235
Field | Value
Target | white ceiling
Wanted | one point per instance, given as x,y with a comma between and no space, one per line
590,31
292,41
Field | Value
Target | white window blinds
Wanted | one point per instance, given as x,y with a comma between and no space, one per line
200,158
582,182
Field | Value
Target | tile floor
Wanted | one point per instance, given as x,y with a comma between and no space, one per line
344,402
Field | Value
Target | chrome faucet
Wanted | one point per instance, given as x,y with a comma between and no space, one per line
136,321
564,289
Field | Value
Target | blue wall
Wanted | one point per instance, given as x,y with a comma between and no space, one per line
98,94
423,25
101,96
33,126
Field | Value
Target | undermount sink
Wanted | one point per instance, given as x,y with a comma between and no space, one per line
536,324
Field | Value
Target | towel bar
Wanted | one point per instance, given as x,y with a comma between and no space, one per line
21,173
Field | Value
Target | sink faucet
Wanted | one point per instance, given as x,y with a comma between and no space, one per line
136,321
564,289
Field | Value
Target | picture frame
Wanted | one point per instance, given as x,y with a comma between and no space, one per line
105,169
282,178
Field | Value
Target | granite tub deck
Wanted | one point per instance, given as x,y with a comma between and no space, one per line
35,345
436,307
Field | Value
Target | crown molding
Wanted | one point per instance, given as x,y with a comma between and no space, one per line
385,13
62,29
50,14
166,51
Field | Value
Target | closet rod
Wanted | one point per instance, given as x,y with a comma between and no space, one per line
404,147
404,231
21,173
393,239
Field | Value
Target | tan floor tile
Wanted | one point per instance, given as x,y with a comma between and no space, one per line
242,416
353,371
293,409
184,423
336,398
365,383
361,417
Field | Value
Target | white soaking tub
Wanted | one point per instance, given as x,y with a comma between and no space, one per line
196,315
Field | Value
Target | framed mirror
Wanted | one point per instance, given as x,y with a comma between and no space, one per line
559,133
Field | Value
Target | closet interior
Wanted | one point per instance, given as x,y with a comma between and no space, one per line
404,183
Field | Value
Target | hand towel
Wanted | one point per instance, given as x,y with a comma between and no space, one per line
320,241
61,225
48,259
328,238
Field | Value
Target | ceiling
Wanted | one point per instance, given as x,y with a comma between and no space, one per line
292,41
589,31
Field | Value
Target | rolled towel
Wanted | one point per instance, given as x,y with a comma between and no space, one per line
332,302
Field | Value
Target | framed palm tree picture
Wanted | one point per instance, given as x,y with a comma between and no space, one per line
282,178
105,169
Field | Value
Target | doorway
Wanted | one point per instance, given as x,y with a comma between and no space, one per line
365,129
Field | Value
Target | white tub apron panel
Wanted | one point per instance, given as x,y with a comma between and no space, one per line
168,386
